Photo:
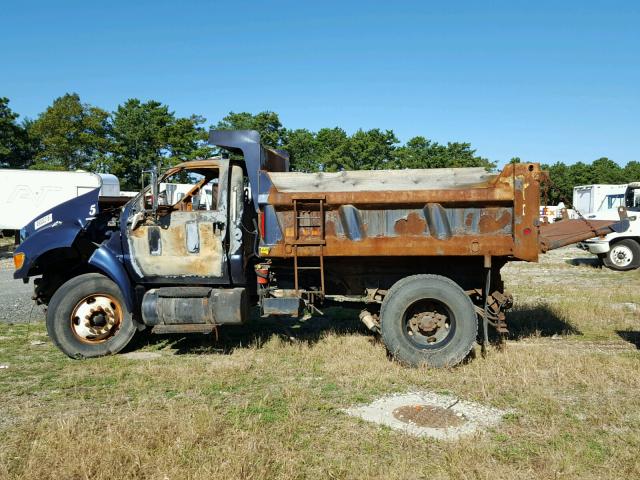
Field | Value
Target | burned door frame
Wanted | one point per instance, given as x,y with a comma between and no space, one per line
219,220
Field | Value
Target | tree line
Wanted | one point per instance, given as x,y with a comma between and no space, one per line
71,135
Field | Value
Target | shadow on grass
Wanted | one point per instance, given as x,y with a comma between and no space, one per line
593,262
631,336
257,332
538,321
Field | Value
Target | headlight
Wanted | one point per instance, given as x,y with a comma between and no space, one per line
18,260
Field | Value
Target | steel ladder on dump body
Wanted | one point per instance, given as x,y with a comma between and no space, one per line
313,221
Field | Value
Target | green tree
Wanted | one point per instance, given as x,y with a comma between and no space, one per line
302,147
272,133
632,172
420,152
71,135
371,150
15,146
560,189
604,170
148,134
332,148
580,174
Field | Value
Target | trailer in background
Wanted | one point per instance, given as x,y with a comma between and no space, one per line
598,198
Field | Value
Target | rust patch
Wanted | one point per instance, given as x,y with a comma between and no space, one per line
469,220
330,229
489,224
139,232
429,416
175,260
423,245
414,224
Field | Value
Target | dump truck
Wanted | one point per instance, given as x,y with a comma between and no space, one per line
419,251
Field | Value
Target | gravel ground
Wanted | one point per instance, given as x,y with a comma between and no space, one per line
16,305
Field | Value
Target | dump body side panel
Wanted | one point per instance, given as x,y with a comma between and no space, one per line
440,212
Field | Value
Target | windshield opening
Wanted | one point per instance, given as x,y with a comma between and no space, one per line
632,201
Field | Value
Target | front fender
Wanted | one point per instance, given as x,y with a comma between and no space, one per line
105,260
61,235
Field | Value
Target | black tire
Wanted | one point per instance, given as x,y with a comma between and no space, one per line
76,293
424,292
623,255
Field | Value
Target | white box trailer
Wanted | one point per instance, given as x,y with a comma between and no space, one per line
25,194
598,197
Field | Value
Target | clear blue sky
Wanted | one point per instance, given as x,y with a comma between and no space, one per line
547,81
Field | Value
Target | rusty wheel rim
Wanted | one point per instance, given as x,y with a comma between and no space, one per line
96,318
428,324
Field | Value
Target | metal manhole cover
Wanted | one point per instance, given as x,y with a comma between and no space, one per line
429,416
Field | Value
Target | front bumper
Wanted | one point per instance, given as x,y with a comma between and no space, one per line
596,247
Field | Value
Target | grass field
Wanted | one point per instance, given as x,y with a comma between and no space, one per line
265,401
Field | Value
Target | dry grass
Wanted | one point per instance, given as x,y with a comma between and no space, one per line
260,405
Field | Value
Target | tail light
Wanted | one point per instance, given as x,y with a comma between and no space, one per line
261,224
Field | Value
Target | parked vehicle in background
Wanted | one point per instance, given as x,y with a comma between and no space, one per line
597,198
420,251
619,250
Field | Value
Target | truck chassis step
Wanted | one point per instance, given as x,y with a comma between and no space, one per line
186,328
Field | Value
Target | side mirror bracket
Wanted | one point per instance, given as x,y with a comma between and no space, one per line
155,191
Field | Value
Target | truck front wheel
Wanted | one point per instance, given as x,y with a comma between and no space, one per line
87,317
623,255
428,320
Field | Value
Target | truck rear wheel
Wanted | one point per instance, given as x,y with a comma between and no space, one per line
87,317
428,320
623,255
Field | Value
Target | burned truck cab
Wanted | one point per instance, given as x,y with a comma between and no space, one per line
184,237
190,239
189,233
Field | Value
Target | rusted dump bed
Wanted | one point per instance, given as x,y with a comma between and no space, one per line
443,212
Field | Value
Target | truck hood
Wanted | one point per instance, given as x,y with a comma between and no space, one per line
77,211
